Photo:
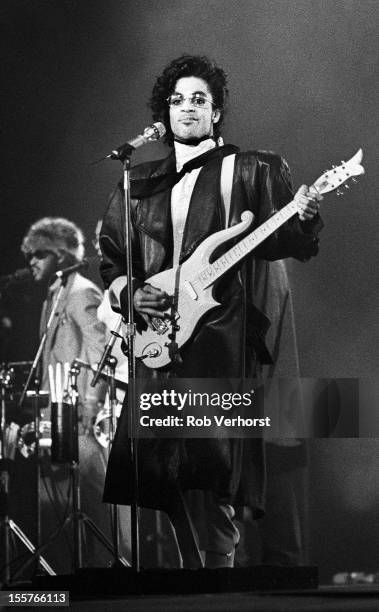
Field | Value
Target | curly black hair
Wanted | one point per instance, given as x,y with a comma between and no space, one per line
185,66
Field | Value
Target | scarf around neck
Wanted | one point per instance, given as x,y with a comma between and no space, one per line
144,188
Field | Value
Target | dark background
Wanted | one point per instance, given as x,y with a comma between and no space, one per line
302,76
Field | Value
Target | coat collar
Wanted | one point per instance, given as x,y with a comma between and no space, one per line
162,176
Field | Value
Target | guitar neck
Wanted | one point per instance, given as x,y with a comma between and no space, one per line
220,266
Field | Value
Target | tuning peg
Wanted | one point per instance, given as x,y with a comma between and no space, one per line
342,162
355,180
339,192
347,186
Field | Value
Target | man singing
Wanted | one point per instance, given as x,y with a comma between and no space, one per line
176,204
51,244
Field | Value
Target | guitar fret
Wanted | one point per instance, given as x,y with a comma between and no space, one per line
252,240
236,250
205,275
213,271
223,260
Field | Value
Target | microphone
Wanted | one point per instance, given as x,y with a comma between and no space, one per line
24,274
81,265
151,133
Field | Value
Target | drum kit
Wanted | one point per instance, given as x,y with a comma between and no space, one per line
19,428
18,424
47,422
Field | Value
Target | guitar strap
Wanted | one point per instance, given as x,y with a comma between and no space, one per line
255,331
226,183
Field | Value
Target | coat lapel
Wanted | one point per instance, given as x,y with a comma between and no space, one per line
60,312
153,214
47,355
205,215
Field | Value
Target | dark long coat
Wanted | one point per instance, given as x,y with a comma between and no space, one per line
229,340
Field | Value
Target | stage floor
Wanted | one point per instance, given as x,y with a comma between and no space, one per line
327,599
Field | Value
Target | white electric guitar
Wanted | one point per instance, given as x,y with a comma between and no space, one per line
191,284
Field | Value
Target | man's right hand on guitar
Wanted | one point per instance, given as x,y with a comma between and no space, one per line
150,301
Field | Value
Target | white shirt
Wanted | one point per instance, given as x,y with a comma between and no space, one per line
182,191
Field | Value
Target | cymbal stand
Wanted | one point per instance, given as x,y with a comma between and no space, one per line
108,363
78,519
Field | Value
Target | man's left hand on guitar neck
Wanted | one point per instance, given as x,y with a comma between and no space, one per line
308,203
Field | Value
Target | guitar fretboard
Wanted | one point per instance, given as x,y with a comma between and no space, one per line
208,275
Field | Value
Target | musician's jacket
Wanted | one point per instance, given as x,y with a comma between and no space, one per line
75,332
230,339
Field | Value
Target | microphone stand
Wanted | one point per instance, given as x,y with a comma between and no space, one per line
124,153
111,371
42,343
36,396
130,332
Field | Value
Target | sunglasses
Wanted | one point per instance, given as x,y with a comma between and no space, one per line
39,254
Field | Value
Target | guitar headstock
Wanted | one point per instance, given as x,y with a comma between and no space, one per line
335,177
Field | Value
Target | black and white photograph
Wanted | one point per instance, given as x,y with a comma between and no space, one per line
189,308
